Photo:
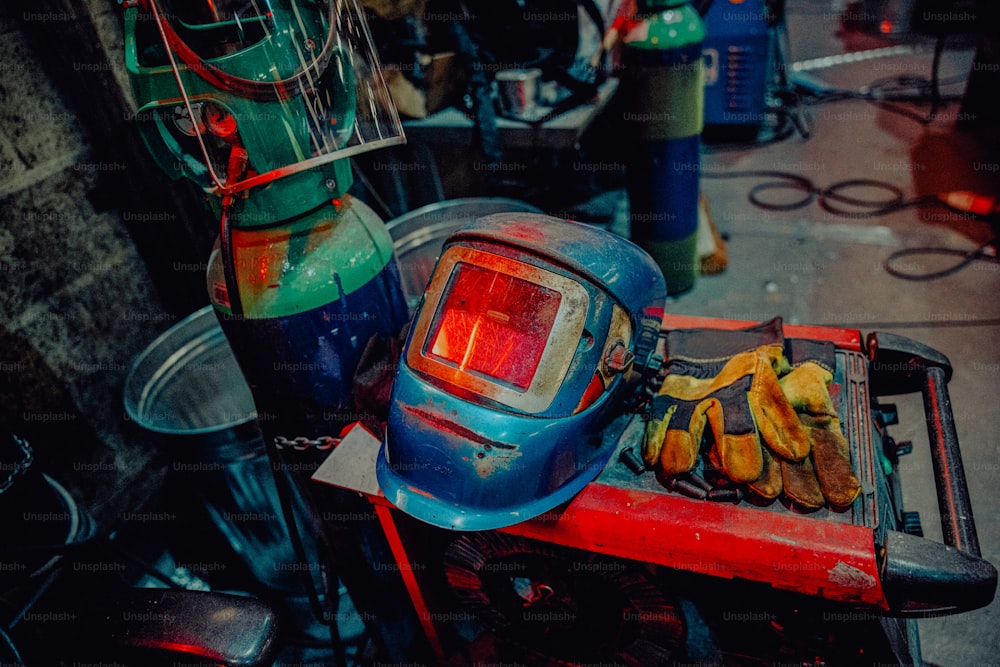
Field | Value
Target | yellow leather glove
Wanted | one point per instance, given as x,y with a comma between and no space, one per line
725,384
826,476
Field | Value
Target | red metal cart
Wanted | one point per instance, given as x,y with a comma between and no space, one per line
702,582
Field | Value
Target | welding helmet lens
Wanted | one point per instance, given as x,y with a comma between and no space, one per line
493,324
497,328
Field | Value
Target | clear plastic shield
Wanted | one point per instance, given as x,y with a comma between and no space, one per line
269,88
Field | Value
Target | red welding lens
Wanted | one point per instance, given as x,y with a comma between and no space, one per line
493,324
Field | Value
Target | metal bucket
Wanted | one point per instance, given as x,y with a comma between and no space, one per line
187,385
419,235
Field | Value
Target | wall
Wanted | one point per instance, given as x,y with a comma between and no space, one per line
98,252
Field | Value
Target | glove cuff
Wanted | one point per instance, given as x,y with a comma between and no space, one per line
705,345
801,351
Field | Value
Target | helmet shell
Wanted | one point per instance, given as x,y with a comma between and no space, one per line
503,420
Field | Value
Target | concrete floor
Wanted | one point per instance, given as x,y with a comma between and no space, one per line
811,267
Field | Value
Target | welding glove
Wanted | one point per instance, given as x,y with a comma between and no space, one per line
826,475
726,381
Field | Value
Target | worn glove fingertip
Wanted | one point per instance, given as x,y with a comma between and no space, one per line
800,484
795,439
768,483
652,441
679,453
740,456
833,466
843,498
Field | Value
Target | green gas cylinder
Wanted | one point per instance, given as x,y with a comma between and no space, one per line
664,89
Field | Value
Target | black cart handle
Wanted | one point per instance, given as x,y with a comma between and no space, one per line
922,577
958,526
900,365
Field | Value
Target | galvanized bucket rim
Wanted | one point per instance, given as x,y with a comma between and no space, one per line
138,408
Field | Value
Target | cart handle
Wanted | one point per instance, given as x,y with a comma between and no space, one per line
900,365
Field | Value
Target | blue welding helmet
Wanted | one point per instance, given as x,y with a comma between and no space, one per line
532,334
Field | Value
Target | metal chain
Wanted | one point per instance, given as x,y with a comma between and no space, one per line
20,466
301,444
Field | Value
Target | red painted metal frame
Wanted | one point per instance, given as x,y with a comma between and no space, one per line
815,557
383,510
820,558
